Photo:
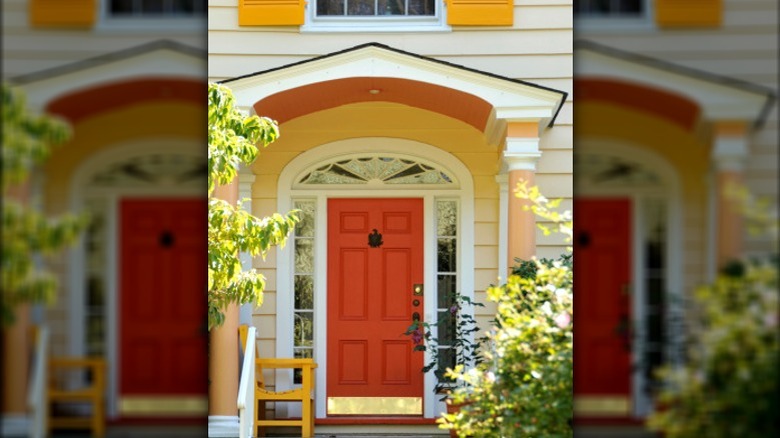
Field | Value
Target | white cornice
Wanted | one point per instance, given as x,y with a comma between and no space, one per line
719,98
511,99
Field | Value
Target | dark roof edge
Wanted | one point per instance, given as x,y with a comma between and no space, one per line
727,81
108,58
403,52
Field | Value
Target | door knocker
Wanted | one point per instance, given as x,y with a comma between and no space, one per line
375,239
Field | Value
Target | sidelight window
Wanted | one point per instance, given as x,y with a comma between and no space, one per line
446,276
303,336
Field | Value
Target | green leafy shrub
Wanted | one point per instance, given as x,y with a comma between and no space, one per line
456,330
524,386
28,140
729,384
233,137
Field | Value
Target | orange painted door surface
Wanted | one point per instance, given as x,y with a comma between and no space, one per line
162,297
602,273
370,297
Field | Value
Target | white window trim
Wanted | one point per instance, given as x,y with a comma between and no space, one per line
286,197
594,24
670,190
375,24
80,191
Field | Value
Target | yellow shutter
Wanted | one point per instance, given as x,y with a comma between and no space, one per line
270,12
63,13
688,13
480,12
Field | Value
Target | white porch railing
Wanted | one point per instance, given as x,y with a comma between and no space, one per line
246,388
36,396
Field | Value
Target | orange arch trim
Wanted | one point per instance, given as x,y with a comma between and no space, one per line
296,102
673,107
82,104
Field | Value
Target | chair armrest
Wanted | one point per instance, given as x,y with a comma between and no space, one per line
286,363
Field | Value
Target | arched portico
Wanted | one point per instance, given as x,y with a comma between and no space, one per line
373,106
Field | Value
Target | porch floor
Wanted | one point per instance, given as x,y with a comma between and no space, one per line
200,431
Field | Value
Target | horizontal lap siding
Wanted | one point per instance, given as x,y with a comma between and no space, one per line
744,47
27,50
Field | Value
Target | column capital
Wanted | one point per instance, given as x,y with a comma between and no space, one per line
521,153
730,150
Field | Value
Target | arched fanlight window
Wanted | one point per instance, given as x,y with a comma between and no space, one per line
153,169
609,171
384,169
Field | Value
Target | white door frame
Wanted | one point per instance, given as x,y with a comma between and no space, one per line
80,191
464,193
670,190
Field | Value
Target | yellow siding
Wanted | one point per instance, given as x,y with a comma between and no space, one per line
28,49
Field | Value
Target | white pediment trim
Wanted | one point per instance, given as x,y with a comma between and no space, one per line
157,60
512,99
720,97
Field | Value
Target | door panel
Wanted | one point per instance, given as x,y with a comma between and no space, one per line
602,272
162,332
370,304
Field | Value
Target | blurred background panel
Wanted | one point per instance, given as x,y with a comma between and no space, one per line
676,102
129,78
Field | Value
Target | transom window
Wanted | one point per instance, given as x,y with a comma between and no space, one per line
610,8
156,8
376,170
364,8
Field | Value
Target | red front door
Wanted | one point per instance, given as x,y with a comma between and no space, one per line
602,272
162,335
370,366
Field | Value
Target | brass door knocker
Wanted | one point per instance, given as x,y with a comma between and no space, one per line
375,239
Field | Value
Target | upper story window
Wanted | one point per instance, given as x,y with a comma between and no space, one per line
156,8
375,15
596,15
353,8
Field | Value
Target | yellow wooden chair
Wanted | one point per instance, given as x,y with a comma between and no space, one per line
91,393
304,394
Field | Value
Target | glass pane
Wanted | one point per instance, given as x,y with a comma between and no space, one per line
305,228
330,7
360,7
391,7
446,327
95,295
153,6
304,329
300,353
446,218
422,7
655,292
304,292
446,360
183,6
95,335
304,256
446,290
119,7
630,7
447,255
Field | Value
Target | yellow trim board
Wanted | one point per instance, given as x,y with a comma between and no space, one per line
608,405
164,406
375,406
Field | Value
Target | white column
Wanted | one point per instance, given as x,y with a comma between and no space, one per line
520,158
